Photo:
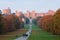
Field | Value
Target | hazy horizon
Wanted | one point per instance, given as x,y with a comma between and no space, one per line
37,5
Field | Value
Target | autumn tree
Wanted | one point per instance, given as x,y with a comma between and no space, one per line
50,23
0,22
46,23
56,20
8,23
16,21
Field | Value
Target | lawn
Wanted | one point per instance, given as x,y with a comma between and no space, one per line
26,26
39,34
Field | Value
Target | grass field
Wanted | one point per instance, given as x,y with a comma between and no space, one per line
26,26
14,34
39,34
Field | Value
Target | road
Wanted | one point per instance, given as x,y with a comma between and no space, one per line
28,33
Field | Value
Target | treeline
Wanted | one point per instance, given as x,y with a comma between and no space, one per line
50,23
10,23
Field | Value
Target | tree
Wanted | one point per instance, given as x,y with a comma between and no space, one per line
56,20
0,22
34,21
46,23
27,20
8,23
17,22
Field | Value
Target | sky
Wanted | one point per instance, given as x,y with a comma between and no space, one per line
24,5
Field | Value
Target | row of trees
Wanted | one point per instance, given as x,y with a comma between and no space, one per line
50,23
0,22
10,23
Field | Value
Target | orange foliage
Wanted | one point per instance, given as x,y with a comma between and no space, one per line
50,23
11,23
56,19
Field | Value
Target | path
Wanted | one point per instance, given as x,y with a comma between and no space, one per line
28,33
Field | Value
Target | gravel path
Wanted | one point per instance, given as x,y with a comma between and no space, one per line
28,33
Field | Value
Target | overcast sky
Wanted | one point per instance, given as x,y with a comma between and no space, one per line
37,5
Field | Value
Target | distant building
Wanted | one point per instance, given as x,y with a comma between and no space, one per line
6,11
50,12
27,14
33,14
17,13
39,14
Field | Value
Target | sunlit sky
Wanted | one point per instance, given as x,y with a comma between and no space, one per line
37,5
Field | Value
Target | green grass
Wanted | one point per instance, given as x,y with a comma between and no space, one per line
39,34
34,27
26,26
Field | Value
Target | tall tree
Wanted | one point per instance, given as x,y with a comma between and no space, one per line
0,22
56,20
